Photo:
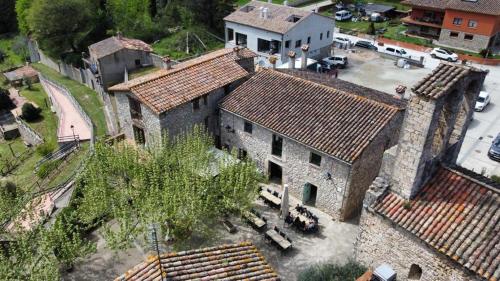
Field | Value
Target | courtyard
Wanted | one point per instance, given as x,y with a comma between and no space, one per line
334,242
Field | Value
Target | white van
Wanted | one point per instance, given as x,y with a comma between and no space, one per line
399,52
343,15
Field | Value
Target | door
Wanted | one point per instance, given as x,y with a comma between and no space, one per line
309,194
275,173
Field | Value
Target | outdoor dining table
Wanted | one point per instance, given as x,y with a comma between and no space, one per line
294,213
254,219
280,240
270,197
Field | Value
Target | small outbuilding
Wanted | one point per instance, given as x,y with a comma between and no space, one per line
16,76
383,10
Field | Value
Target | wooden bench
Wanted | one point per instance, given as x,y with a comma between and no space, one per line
253,219
269,197
281,241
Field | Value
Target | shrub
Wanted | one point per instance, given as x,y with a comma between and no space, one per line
332,272
484,53
44,149
46,168
371,29
30,112
5,101
495,178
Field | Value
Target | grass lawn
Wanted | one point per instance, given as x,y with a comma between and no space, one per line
141,72
243,2
47,125
174,45
12,58
86,97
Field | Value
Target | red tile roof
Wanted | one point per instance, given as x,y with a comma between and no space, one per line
166,89
488,7
333,121
241,261
115,43
438,82
455,214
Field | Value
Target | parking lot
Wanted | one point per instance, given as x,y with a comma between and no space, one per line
374,70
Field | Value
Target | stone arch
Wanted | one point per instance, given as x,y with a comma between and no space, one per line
445,122
465,112
415,272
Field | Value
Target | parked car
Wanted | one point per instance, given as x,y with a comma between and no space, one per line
340,61
444,54
399,52
343,15
342,40
482,101
494,151
366,45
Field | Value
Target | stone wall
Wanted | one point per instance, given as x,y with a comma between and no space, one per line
379,241
28,134
297,171
478,43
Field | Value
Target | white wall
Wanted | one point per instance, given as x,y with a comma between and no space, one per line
311,26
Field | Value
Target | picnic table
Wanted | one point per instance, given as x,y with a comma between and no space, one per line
280,240
254,219
268,196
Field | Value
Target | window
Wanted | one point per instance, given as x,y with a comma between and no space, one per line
207,124
287,44
230,34
135,108
468,37
277,146
263,46
457,21
309,40
415,272
248,128
454,34
196,103
298,43
138,62
205,100
321,36
242,154
328,34
472,24
139,135
315,159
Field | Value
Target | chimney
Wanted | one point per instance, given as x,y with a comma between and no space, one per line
269,1
167,62
285,3
125,75
261,12
119,35
237,50
265,13
291,63
273,60
305,51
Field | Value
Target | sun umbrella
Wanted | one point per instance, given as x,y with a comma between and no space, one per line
284,202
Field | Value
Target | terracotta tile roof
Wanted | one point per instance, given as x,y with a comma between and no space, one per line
278,16
114,44
166,89
438,82
241,261
335,122
455,214
435,4
489,7
19,73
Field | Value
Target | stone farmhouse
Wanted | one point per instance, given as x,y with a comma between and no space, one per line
322,136
110,58
269,29
471,25
178,97
425,217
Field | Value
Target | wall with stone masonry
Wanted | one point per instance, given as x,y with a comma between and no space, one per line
297,170
478,42
380,241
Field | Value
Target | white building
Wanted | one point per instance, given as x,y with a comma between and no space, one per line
270,29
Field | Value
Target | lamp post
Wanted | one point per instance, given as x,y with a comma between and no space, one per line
74,136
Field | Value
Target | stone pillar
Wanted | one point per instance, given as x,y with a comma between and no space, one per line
291,63
167,62
305,51
273,60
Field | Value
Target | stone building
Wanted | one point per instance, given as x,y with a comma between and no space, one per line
110,58
178,97
427,218
322,136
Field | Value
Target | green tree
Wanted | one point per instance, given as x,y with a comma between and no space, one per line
60,26
171,184
211,12
30,112
132,18
5,101
22,11
8,16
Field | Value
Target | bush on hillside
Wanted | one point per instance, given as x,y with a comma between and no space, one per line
47,168
44,149
30,113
